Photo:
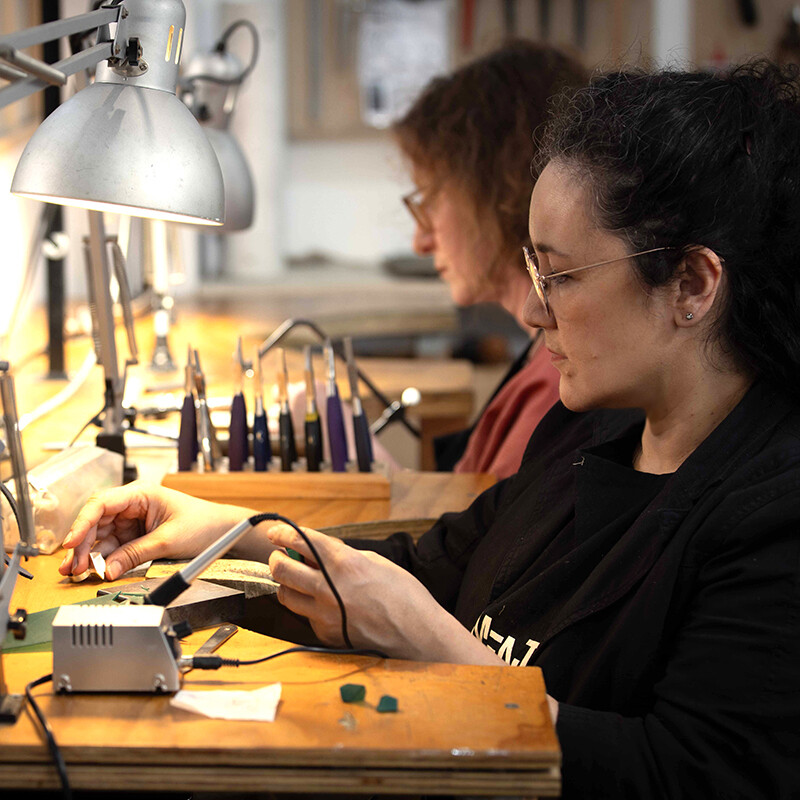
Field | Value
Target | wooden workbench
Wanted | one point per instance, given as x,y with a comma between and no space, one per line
463,730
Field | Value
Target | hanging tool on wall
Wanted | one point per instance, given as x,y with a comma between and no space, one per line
510,17
188,448
336,435
261,443
238,446
467,24
748,12
544,19
579,23
360,424
313,427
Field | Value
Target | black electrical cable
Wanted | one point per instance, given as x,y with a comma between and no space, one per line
12,501
55,750
222,43
258,518
212,661
215,662
220,47
95,420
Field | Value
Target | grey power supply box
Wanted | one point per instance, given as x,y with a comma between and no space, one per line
125,648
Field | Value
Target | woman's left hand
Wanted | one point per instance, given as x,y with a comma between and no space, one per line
387,608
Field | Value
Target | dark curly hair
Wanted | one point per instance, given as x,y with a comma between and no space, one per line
475,126
683,159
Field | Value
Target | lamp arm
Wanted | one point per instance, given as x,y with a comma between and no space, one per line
125,300
27,532
83,60
44,74
99,279
39,34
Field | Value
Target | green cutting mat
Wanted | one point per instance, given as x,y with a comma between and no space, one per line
39,633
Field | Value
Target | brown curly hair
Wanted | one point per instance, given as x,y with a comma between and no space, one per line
475,125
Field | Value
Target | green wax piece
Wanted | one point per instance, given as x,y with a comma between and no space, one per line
295,555
387,704
352,692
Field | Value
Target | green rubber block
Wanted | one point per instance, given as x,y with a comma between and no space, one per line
387,704
295,555
352,692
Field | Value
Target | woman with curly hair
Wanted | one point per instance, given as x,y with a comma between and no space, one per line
468,141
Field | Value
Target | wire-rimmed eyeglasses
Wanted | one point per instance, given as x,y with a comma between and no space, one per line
540,281
415,203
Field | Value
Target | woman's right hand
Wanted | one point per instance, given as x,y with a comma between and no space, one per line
138,522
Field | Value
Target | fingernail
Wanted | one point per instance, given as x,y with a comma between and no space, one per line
113,570
67,540
67,558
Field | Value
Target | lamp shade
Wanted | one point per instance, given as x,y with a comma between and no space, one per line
127,149
213,81
237,180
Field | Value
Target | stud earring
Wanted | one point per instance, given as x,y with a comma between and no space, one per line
690,315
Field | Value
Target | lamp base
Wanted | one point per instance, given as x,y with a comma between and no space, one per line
11,706
162,358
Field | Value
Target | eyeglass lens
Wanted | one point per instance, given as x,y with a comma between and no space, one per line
536,278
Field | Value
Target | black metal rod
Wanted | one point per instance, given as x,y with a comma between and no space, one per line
56,296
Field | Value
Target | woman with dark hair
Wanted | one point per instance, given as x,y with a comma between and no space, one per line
468,142
646,556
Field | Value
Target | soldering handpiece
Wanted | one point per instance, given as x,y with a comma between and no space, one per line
360,424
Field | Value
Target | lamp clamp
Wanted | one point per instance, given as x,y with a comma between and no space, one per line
132,65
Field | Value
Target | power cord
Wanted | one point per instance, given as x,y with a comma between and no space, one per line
12,501
55,750
221,47
258,518
215,662
15,510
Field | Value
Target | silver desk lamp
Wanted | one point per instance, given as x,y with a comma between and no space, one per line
126,144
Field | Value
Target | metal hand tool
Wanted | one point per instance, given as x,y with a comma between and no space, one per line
209,447
188,447
336,435
360,424
238,448
288,449
313,427
261,444
220,635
